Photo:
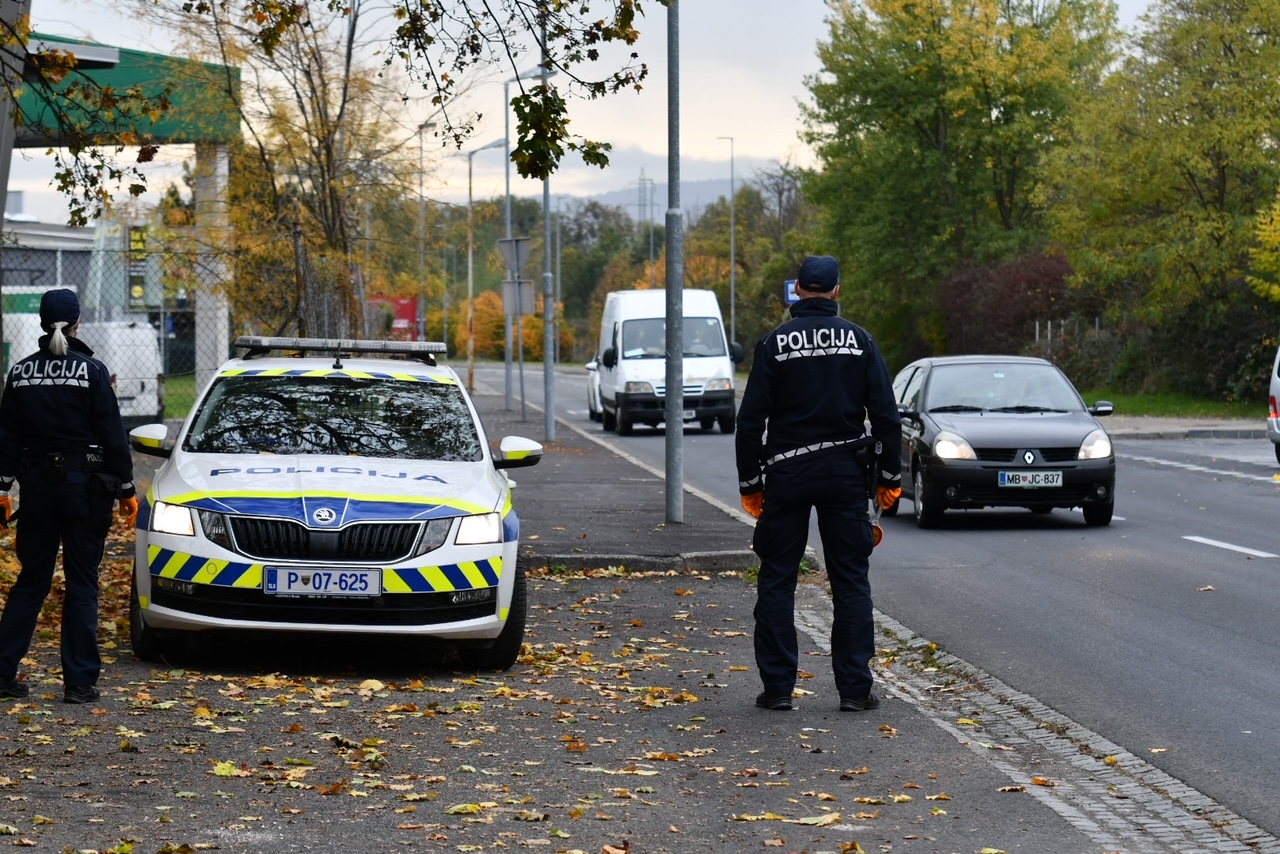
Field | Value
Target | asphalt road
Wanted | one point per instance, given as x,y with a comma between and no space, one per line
1157,631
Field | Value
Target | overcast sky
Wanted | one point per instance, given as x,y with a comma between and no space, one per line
742,70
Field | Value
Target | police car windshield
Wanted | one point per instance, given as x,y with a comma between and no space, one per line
1010,387
646,338
336,414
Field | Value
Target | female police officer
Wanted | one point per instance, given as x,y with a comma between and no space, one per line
61,437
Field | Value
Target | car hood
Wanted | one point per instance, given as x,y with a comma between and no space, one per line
330,490
1023,429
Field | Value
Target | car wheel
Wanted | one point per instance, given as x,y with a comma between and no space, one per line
146,646
706,423
928,511
608,420
728,423
504,651
1097,515
1277,453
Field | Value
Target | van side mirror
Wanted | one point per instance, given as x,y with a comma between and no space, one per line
610,358
736,353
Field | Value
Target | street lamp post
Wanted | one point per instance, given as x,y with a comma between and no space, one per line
422,232
471,242
733,255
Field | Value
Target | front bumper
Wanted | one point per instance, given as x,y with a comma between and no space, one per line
649,408
961,484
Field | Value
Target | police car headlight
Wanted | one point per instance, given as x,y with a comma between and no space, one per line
949,446
638,388
215,528
722,384
172,519
437,531
1096,446
483,528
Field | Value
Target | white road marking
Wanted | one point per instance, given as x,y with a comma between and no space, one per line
1221,545
1192,467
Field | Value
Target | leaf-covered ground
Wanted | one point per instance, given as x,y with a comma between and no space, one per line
628,725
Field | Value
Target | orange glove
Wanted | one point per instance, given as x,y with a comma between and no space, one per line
128,511
753,503
886,495
6,509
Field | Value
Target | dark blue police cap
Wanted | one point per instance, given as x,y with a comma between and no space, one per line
819,273
57,305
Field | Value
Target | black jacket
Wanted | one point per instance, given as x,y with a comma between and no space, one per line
62,403
815,382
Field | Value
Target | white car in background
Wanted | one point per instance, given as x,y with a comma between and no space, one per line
335,490
1273,413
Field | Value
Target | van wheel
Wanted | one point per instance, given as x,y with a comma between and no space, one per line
608,420
505,649
146,646
728,423
706,424
624,424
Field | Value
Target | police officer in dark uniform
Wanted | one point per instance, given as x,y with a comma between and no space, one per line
62,439
815,381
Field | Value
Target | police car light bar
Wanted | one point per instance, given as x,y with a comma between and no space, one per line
259,345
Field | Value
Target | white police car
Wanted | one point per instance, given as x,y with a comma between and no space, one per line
335,489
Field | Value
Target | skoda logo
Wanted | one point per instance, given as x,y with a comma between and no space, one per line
325,516
1027,456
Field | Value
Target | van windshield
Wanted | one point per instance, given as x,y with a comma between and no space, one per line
645,338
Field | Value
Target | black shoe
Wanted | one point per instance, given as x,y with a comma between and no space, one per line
83,694
12,689
866,704
779,703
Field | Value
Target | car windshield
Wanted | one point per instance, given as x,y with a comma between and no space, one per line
336,414
646,338
989,386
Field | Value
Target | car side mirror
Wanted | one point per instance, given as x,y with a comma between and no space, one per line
609,358
906,412
736,353
516,452
592,365
1101,408
149,439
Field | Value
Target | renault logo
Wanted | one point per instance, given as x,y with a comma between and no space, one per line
1027,457
326,516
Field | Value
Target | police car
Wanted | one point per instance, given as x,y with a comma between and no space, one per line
332,486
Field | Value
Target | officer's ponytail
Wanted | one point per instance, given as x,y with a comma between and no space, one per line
58,340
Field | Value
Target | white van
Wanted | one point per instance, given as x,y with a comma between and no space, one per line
627,379
1273,410
131,352
21,337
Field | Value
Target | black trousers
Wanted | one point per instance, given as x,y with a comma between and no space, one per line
835,485
53,516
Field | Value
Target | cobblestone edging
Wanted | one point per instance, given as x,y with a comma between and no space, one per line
1130,806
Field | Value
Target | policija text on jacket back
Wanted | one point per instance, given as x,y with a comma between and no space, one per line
62,440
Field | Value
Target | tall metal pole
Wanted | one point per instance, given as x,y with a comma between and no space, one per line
511,274
422,235
675,279
733,255
471,291
548,287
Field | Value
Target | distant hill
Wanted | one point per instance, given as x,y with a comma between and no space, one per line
695,196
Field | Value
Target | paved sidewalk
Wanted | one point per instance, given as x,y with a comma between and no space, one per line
1026,776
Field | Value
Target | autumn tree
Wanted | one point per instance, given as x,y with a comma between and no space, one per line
929,120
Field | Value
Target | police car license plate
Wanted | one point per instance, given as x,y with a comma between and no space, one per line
294,581
1030,478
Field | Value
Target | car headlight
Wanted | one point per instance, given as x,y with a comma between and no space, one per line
172,519
482,528
1096,446
949,446
215,528
434,536
722,384
639,388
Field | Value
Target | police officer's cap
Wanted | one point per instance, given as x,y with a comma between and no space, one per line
59,304
819,273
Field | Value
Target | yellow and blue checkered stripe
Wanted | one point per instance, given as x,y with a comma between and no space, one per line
446,578
443,379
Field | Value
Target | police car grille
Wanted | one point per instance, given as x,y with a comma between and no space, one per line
275,539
